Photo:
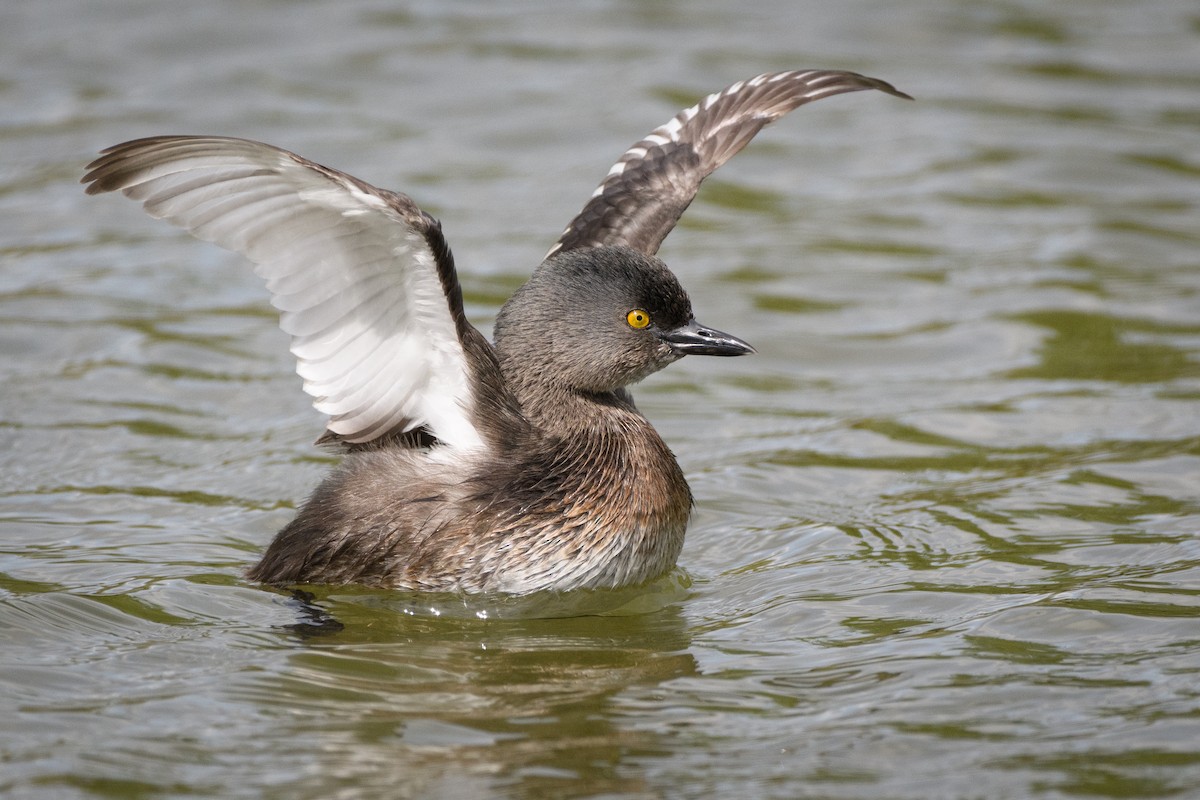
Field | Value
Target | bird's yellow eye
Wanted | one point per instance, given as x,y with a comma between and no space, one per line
637,318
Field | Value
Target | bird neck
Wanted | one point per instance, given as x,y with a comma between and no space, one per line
562,411
592,422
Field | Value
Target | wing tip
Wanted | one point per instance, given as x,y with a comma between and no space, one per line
887,88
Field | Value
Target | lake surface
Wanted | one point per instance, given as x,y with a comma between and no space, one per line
947,541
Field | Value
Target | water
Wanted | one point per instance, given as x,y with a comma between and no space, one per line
946,542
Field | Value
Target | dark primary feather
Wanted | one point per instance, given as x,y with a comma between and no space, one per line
651,185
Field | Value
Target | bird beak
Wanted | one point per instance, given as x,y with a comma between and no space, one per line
694,339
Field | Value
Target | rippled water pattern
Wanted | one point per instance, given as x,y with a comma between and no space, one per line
947,535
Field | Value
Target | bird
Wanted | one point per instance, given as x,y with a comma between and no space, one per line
510,467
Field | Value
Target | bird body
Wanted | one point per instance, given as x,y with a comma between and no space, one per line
593,505
511,467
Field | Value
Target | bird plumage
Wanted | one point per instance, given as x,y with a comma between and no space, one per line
510,468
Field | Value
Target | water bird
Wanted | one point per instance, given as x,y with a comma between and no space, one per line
513,466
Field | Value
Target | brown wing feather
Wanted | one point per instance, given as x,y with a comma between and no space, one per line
651,185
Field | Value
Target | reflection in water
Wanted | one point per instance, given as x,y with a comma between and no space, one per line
314,621
447,707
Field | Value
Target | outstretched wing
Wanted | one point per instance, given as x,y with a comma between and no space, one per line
651,185
363,279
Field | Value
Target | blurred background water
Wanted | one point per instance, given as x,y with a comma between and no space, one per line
946,542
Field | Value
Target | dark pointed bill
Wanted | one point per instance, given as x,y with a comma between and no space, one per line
694,339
